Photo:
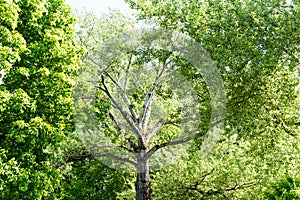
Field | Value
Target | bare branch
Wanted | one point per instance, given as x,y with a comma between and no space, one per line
79,158
126,148
138,83
202,179
159,74
217,122
220,190
93,61
114,120
131,144
236,187
119,108
127,72
98,65
165,144
285,127
90,156
95,147
82,42
129,105
116,157
146,109
77,155
157,127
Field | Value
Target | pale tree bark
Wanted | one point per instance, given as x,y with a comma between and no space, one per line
142,186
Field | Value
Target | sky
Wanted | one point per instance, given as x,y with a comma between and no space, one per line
99,6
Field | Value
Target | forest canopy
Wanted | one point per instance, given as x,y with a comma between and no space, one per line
117,107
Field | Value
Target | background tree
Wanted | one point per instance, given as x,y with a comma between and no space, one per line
128,80
256,47
40,58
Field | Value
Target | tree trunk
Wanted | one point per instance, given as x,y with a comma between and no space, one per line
142,185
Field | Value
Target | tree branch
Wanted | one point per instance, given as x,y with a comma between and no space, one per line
146,109
203,177
116,157
79,158
126,148
284,126
131,144
98,65
220,190
127,72
119,108
129,105
114,120
215,123
93,148
165,144
157,127
139,84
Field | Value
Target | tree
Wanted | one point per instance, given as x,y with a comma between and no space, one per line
127,78
256,48
40,58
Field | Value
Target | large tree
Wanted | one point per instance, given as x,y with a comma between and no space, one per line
39,57
255,45
140,94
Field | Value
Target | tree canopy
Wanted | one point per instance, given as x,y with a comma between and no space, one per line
78,101
40,59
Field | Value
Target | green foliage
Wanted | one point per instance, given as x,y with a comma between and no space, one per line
255,45
285,189
85,177
40,60
90,179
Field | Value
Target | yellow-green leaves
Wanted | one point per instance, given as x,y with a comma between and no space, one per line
11,45
39,56
9,12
